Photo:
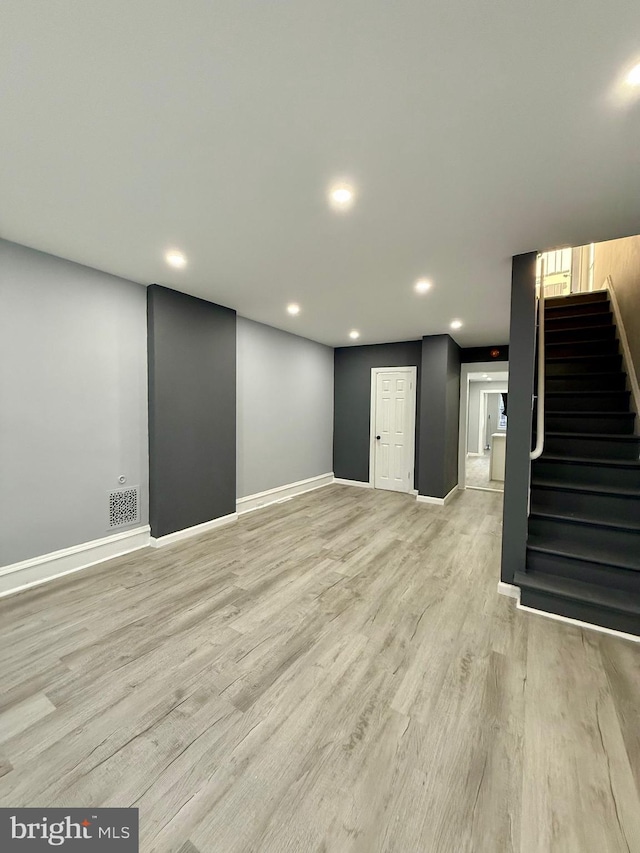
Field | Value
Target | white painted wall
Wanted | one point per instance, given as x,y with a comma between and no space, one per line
73,392
284,408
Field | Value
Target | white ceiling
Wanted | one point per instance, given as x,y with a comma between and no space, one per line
473,131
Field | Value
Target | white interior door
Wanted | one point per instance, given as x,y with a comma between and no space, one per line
393,420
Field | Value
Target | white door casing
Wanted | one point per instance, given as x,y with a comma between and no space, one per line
393,418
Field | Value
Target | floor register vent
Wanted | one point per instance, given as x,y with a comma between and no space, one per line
123,506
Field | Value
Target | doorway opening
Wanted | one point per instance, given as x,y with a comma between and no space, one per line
484,402
393,428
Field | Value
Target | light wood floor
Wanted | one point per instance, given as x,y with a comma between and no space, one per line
334,673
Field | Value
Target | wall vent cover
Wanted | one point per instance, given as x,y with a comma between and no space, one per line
123,506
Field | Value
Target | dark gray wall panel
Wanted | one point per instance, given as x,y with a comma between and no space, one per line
521,375
439,414
352,402
192,410
452,415
469,355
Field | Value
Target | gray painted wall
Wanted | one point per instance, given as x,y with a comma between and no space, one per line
284,408
192,410
353,402
439,415
73,392
521,375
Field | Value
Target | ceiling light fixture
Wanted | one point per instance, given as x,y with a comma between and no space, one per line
489,379
456,324
293,308
175,259
354,334
485,375
341,196
633,77
422,285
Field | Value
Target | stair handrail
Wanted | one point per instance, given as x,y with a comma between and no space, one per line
537,450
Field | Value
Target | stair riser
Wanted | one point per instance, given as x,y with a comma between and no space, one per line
578,348
598,423
578,539
565,336
586,475
595,448
582,308
584,506
586,382
582,571
583,365
584,612
578,298
618,402
557,323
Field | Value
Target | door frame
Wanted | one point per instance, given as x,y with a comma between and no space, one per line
463,426
413,371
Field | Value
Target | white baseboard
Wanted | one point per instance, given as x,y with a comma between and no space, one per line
624,343
28,573
413,492
196,530
427,499
579,624
509,590
360,483
282,493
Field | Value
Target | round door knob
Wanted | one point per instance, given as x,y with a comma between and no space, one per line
377,438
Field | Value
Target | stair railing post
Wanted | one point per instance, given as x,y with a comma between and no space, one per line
537,450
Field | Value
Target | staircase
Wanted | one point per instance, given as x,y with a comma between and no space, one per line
583,550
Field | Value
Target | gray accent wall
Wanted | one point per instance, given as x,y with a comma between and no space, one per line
192,410
73,401
439,415
521,385
284,408
353,402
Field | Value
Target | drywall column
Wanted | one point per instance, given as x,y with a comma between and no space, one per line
521,377
192,410
439,416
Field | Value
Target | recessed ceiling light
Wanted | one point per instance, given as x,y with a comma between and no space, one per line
293,309
341,196
175,259
485,375
633,77
489,379
456,324
354,334
422,285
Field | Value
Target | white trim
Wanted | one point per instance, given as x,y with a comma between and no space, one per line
28,573
360,483
411,447
509,590
463,425
427,499
579,624
280,493
624,343
196,530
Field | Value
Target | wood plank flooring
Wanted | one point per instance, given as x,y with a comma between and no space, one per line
334,673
